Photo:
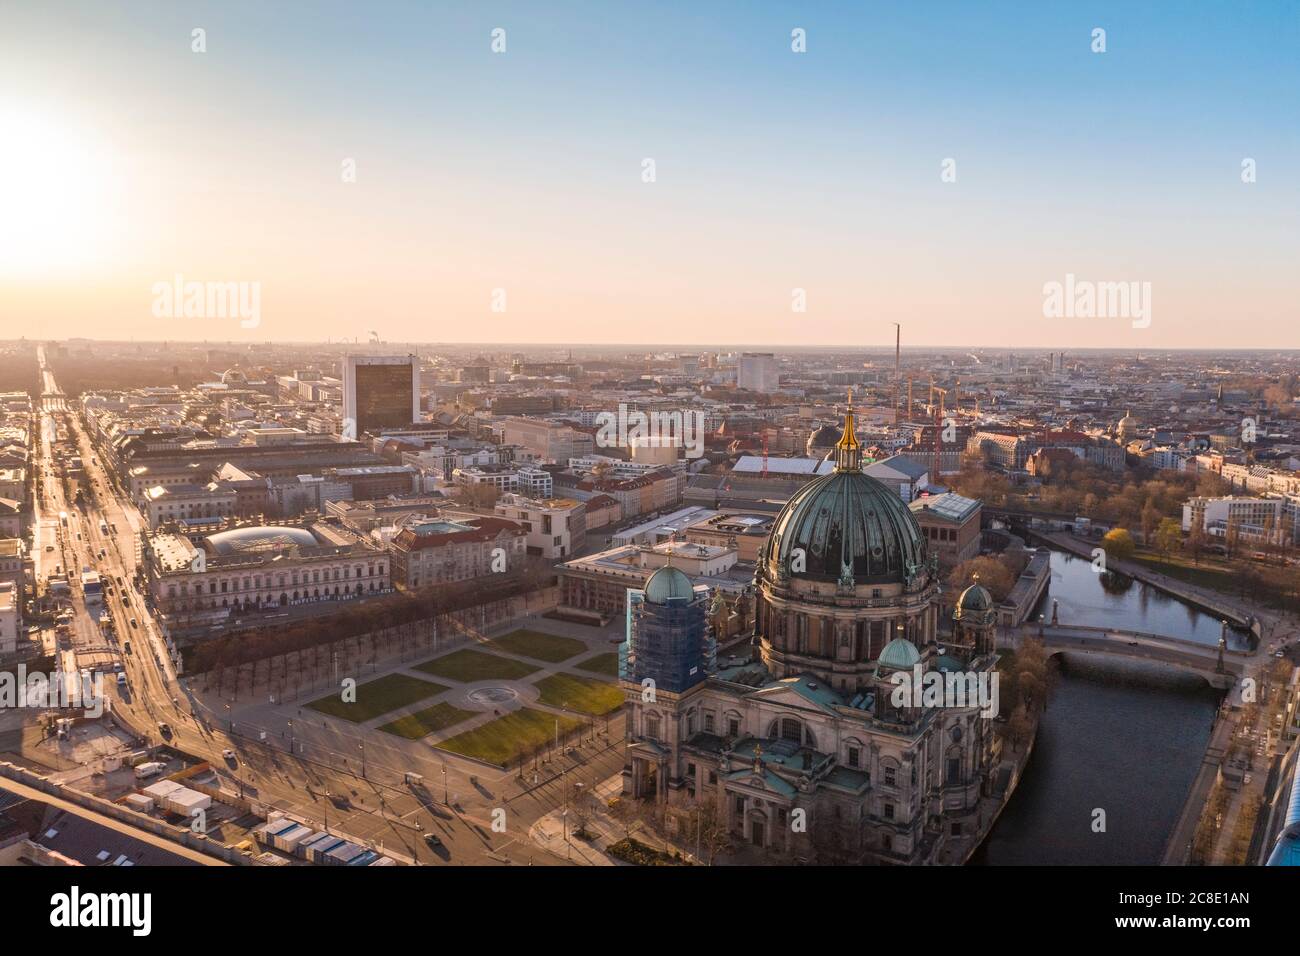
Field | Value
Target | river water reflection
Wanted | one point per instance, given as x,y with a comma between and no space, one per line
1125,737
1110,600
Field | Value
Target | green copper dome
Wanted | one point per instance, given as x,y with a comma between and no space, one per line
846,527
668,584
847,520
899,653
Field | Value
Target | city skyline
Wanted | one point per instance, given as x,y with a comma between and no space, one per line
514,181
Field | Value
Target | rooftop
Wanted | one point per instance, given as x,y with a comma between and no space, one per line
949,505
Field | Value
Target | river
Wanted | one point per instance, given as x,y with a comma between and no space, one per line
1124,737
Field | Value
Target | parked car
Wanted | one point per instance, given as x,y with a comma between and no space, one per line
433,840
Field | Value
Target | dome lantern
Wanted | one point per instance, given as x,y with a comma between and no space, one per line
848,450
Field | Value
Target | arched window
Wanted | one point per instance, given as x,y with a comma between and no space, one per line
853,751
792,729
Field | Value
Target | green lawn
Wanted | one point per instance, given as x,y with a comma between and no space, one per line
606,664
1215,574
1209,574
378,697
424,722
580,693
505,738
543,647
468,665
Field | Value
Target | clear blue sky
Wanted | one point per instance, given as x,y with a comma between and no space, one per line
775,170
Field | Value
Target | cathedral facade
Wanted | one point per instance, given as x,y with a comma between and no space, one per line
809,746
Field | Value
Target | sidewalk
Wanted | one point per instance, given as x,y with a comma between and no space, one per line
549,831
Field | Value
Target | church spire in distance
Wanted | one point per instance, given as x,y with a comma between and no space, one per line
848,451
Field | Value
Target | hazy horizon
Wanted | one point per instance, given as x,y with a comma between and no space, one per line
486,179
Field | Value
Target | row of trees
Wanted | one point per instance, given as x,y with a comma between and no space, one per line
1023,687
1138,499
377,614
996,573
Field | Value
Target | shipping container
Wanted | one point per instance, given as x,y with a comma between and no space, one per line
185,802
345,854
138,802
288,840
163,788
314,849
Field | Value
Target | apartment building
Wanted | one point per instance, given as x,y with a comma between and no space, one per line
547,441
162,504
556,527
1274,519
11,617
525,480
652,491
1006,450
441,551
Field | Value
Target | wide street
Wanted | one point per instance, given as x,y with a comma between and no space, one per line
322,785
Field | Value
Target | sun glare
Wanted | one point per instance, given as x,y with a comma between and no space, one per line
54,178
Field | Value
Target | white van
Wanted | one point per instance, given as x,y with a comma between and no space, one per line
146,770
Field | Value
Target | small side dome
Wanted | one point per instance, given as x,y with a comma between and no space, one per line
822,441
975,598
668,584
899,654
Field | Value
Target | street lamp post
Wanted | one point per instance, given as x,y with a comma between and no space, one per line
291,736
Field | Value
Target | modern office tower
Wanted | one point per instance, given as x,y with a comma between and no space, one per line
756,372
380,391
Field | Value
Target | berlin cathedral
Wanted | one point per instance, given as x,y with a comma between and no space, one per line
799,743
